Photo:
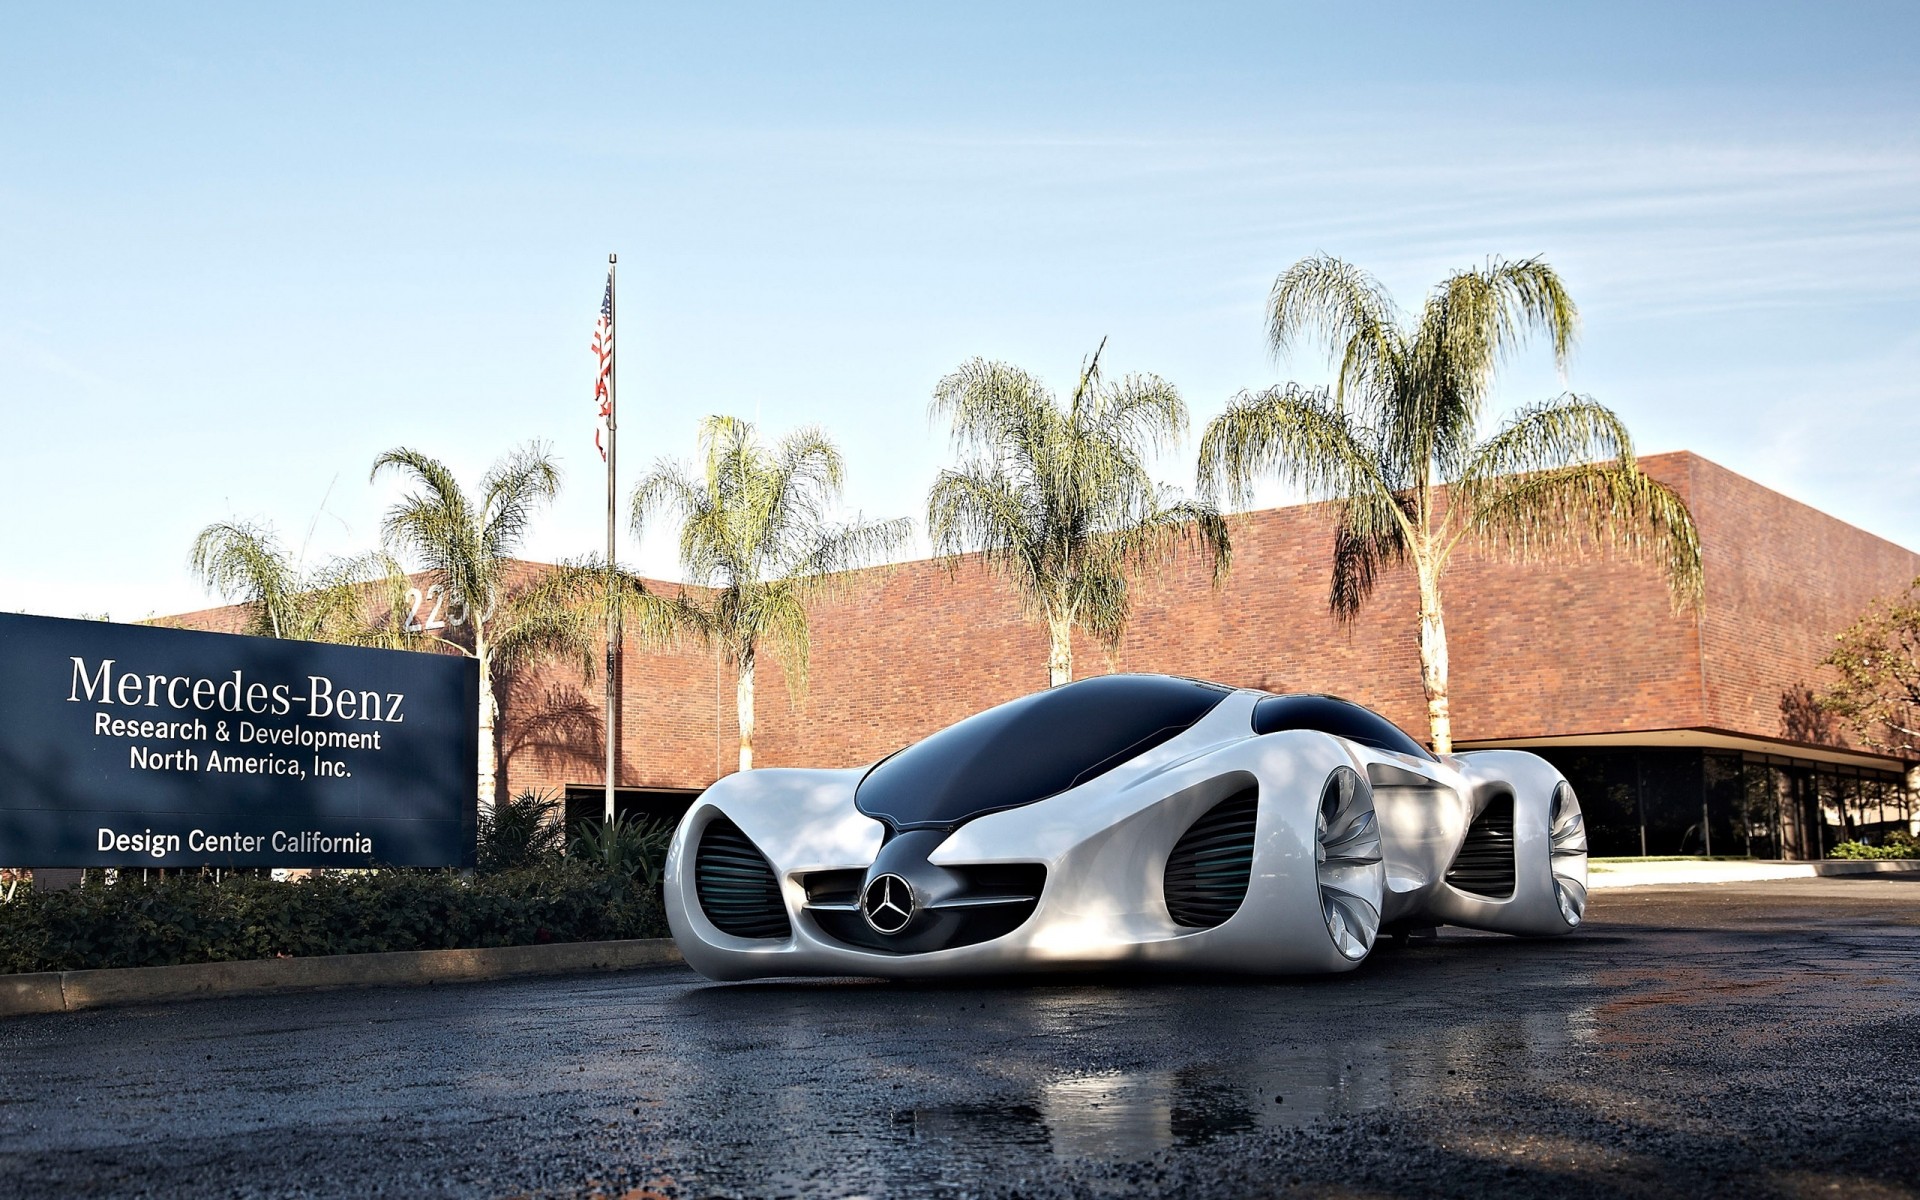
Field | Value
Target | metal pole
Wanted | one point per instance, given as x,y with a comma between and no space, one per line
613,596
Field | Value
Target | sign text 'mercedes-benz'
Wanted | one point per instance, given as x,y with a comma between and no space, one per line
133,745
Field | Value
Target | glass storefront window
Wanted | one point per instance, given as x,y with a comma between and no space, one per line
1689,802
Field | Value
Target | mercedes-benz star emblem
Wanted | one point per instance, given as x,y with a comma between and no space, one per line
887,904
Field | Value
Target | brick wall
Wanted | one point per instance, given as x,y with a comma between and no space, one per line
1782,580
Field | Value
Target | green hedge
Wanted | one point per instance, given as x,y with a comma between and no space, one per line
137,923
1897,845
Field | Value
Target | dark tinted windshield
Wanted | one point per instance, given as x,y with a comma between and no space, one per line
1338,717
1031,748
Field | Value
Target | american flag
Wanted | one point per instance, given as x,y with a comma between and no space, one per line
603,354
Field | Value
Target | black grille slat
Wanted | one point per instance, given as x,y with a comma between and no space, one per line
736,886
1485,864
834,887
1208,872
1225,840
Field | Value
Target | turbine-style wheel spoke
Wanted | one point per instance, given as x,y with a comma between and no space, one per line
1568,849
1351,878
1572,895
1351,921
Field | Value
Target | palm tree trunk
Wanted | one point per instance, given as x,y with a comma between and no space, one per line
489,715
743,702
1059,651
1433,659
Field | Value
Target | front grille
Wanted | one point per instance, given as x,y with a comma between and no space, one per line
1207,873
963,919
735,885
1484,865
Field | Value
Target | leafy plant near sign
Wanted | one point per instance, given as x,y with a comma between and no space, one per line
165,921
523,831
629,847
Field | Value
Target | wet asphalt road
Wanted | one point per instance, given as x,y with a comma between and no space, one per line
1732,1040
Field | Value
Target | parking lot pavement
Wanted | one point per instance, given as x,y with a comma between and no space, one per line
1725,1040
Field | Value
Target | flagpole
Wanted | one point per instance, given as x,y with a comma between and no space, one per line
613,596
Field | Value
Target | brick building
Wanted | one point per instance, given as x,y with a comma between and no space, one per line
1683,732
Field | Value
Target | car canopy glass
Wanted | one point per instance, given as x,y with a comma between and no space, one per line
1031,748
1342,718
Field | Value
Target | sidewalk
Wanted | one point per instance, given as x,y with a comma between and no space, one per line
1622,873
71,991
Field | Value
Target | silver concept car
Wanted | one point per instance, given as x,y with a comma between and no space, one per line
1124,822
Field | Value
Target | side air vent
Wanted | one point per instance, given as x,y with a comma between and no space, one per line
735,885
1208,870
1485,863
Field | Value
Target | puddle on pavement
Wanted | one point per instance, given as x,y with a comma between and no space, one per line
1121,1115
1118,1115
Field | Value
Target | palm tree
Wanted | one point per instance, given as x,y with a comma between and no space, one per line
465,544
1060,501
245,564
755,532
1394,445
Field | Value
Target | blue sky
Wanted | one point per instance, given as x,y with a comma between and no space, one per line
241,253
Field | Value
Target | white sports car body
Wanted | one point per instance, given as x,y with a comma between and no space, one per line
1124,822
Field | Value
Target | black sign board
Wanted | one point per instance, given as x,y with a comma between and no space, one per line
136,746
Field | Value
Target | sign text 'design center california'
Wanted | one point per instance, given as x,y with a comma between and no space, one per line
135,746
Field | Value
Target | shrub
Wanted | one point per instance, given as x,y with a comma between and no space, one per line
523,831
630,847
139,923
1895,845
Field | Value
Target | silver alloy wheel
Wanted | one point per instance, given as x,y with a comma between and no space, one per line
1568,841
1347,858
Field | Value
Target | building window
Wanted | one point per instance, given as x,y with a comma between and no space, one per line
1691,802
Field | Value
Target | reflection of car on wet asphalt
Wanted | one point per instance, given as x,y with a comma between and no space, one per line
1137,821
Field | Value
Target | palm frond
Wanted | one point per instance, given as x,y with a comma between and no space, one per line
337,601
1349,309
828,569
1572,429
241,561
978,508
1158,538
667,490
1298,434
511,493
438,525
779,617
383,603
1141,411
1103,603
1606,507
1086,392
1367,536
989,404
525,628
1471,323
